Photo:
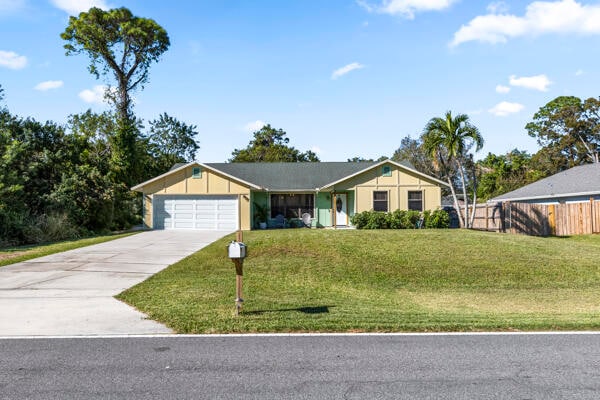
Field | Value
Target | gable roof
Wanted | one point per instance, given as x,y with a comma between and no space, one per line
402,165
179,167
578,181
291,176
284,176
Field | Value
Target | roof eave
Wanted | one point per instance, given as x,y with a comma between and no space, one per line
380,164
289,190
137,188
551,196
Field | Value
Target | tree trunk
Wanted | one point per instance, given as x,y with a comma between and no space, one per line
474,211
456,207
464,189
593,154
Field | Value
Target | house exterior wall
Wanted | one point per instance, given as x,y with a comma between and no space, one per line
359,190
398,184
147,204
323,205
209,183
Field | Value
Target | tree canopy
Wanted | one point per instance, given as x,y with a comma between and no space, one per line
271,145
499,174
171,141
450,140
361,159
568,129
412,151
118,44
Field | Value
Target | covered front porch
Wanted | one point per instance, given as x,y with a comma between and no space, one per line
299,209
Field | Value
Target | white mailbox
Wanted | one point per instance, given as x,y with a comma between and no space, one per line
236,250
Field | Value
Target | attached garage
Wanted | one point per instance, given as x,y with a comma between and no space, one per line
195,212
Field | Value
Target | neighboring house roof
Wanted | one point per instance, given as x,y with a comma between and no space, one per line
282,176
583,180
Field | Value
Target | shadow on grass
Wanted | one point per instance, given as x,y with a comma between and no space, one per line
305,310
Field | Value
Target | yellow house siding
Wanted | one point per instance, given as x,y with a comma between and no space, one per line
433,198
147,199
397,185
182,182
175,183
244,212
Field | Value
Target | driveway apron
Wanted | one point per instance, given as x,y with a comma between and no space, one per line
71,293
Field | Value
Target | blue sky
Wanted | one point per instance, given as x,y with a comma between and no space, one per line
344,78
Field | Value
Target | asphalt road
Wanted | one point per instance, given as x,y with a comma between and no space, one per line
300,367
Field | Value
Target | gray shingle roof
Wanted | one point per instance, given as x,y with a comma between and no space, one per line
291,176
581,180
303,176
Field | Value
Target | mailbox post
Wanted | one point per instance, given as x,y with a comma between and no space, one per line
236,250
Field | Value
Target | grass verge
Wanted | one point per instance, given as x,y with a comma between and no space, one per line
381,281
14,255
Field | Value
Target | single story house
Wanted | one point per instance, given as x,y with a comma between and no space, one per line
227,195
574,185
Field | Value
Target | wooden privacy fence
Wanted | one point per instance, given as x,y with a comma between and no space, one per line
539,219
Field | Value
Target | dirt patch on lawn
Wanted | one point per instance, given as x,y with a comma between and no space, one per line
12,254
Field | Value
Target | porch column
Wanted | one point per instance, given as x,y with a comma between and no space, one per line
333,216
316,210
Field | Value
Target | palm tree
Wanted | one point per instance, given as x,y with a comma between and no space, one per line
449,140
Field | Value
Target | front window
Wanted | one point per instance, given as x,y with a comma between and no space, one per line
380,201
415,200
292,205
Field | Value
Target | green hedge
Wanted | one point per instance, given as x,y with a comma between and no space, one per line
401,219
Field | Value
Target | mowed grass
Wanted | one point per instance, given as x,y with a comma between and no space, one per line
12,255
301,280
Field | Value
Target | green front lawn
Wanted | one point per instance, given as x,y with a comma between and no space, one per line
301,280
23,253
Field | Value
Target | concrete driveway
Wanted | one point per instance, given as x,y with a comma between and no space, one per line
71,293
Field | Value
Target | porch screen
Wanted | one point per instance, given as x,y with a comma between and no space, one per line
292,205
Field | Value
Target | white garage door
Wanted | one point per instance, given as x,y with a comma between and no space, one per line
195,212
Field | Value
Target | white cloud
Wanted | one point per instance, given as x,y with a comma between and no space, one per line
538,82
47,85
497,7
579,72
502,89
74,7
12,60
541,17
254,126
505,108
345,69
405,8
95,95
